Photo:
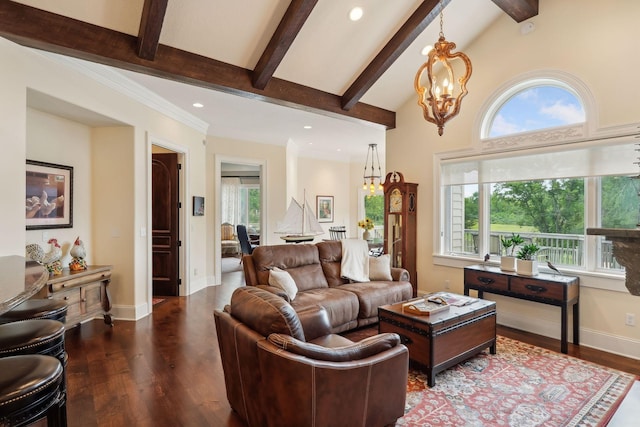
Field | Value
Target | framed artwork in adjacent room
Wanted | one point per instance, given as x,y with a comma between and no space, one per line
198,206
324,208
49,195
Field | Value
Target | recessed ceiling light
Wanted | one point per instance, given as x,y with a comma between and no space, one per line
339,149
307,127
425,50
198,105
356,13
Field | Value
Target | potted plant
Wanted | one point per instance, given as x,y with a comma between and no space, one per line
527,263
508,260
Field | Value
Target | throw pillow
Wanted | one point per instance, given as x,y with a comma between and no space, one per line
283,280
380,268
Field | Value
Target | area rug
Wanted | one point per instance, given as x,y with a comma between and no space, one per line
522,385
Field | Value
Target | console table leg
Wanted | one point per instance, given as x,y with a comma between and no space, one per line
576,323
563,332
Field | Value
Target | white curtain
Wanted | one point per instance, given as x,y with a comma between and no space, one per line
230,188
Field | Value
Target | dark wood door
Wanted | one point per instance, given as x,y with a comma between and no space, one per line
165,215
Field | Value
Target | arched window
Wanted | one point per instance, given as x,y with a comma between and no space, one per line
532,106
540,170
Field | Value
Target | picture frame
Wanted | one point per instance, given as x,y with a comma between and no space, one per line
324,208
198,206
49,195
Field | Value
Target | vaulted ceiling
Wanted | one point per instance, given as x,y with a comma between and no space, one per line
304,54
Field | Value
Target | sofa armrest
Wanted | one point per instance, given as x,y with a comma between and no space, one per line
278,291
249,268
356,351
400,274
315,322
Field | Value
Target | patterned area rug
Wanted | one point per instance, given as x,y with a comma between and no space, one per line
522,385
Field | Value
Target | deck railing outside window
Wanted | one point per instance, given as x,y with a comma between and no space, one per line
560,249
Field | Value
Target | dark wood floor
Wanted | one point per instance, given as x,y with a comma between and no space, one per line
165,370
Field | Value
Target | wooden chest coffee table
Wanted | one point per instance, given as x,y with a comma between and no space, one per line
444,339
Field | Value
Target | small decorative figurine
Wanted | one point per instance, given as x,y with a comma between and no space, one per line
78,254
50,260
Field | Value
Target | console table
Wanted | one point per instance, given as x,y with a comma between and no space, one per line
86,293
553,289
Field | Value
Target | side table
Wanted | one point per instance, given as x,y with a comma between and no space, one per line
553,289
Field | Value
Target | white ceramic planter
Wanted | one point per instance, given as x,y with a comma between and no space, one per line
527,268
508,263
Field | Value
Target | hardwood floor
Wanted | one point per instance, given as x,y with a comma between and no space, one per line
165,370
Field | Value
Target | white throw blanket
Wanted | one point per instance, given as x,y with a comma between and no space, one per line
355,260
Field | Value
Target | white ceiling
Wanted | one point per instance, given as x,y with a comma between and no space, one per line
328,54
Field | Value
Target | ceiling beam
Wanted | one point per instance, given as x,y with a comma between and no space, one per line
151,22
294,18
519,10
24,25
415,25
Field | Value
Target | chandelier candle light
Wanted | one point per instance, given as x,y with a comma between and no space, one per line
372,153
442,103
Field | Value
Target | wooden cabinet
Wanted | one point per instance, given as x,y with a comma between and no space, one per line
553,289
86,293
400,224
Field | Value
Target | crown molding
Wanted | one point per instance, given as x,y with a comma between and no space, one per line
118,82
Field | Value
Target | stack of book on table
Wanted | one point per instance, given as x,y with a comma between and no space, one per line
435,303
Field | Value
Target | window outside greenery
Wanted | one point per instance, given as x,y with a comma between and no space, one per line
374,210
550,213
249,207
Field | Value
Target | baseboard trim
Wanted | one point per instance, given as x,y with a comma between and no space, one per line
610,343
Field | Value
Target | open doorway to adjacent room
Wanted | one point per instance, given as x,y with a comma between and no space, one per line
240,200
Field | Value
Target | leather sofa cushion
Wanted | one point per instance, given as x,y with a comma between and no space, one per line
356,351
299,260
330,254
341,305
372,295
265,313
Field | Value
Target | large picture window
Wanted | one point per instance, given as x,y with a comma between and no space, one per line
547,194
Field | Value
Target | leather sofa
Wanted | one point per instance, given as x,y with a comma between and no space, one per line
285,368
315,269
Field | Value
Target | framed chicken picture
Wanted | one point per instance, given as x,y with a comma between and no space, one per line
49,195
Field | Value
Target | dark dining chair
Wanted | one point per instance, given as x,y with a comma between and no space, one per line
338,232
246,247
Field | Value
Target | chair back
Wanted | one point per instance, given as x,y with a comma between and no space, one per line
338,232
227,231
243,237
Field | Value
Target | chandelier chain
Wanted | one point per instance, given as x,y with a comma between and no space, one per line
441,20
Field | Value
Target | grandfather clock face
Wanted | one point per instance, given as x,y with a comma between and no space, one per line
395,201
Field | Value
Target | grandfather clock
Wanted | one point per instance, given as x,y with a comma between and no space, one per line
400,224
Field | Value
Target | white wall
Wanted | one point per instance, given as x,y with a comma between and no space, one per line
597,51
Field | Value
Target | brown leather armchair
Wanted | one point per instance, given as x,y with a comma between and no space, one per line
284,368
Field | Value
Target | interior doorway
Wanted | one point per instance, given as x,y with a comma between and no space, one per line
165,222
240,201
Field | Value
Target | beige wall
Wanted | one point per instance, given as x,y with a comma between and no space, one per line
112,195
594,50
50,139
